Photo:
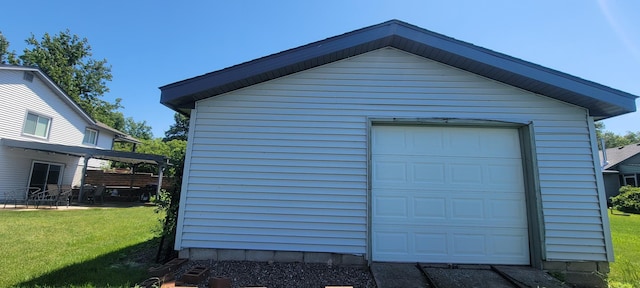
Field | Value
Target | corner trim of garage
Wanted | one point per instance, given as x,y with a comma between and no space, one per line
369,242
532,195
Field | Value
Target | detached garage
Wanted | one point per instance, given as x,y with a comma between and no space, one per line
394,143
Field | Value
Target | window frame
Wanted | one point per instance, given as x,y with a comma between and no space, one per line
47,179
95,138
633,177
39,116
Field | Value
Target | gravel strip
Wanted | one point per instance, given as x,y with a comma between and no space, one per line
274,274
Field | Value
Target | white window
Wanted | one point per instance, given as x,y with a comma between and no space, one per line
36,125
90,136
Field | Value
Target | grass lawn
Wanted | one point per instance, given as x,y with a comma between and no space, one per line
77,248
625,231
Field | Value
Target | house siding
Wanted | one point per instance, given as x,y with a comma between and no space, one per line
18,174
282,165
630,166
67,128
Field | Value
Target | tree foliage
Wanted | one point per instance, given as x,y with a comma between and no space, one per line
628,200
67,60
179,130
612,140
6,56
138,130
174,150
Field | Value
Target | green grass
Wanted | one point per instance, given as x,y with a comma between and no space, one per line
625,231
75,248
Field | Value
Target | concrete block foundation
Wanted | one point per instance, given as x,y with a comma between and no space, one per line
579,273
270,255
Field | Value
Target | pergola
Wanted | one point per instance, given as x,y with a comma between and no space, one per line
89,153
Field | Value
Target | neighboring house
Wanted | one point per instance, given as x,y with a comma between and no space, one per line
621,166
394,143
46,138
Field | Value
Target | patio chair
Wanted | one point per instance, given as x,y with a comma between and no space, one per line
50,196
97,193
65,195
18,194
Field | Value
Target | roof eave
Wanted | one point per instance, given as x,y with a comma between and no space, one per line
76,151
601,101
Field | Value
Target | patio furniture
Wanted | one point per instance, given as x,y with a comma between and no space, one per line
18,194
52,196
65,195
97,193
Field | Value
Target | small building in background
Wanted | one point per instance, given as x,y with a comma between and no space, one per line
620,167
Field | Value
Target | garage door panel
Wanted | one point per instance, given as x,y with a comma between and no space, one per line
467,209
391,207
408,171
429,208
431,244
392,243
513,245
460,208
390,139
446,141
465,173
469,244
458,245
390,171
428,173
457,206
504,209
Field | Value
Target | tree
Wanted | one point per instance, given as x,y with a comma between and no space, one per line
66,58
612,140
179,130
174,150
138,130
6,56
169,200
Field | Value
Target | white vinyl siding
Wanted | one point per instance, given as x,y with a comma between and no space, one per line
20,98
283,164
16,175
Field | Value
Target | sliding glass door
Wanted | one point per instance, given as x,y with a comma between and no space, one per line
43,173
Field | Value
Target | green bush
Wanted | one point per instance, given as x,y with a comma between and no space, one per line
628,200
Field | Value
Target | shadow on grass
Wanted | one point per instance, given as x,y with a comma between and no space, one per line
122,268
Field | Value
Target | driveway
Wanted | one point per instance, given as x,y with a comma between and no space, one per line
388,275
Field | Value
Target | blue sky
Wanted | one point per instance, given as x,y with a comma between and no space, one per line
153,43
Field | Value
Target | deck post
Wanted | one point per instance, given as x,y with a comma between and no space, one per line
84,175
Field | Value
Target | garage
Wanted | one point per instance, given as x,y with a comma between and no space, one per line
443,194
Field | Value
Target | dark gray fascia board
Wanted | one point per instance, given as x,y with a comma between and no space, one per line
181,96
120,156
601,101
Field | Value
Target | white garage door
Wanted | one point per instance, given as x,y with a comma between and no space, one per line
448,195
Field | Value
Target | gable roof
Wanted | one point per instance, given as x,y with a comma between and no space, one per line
618,154
53,86
602,101
119,135
67,100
